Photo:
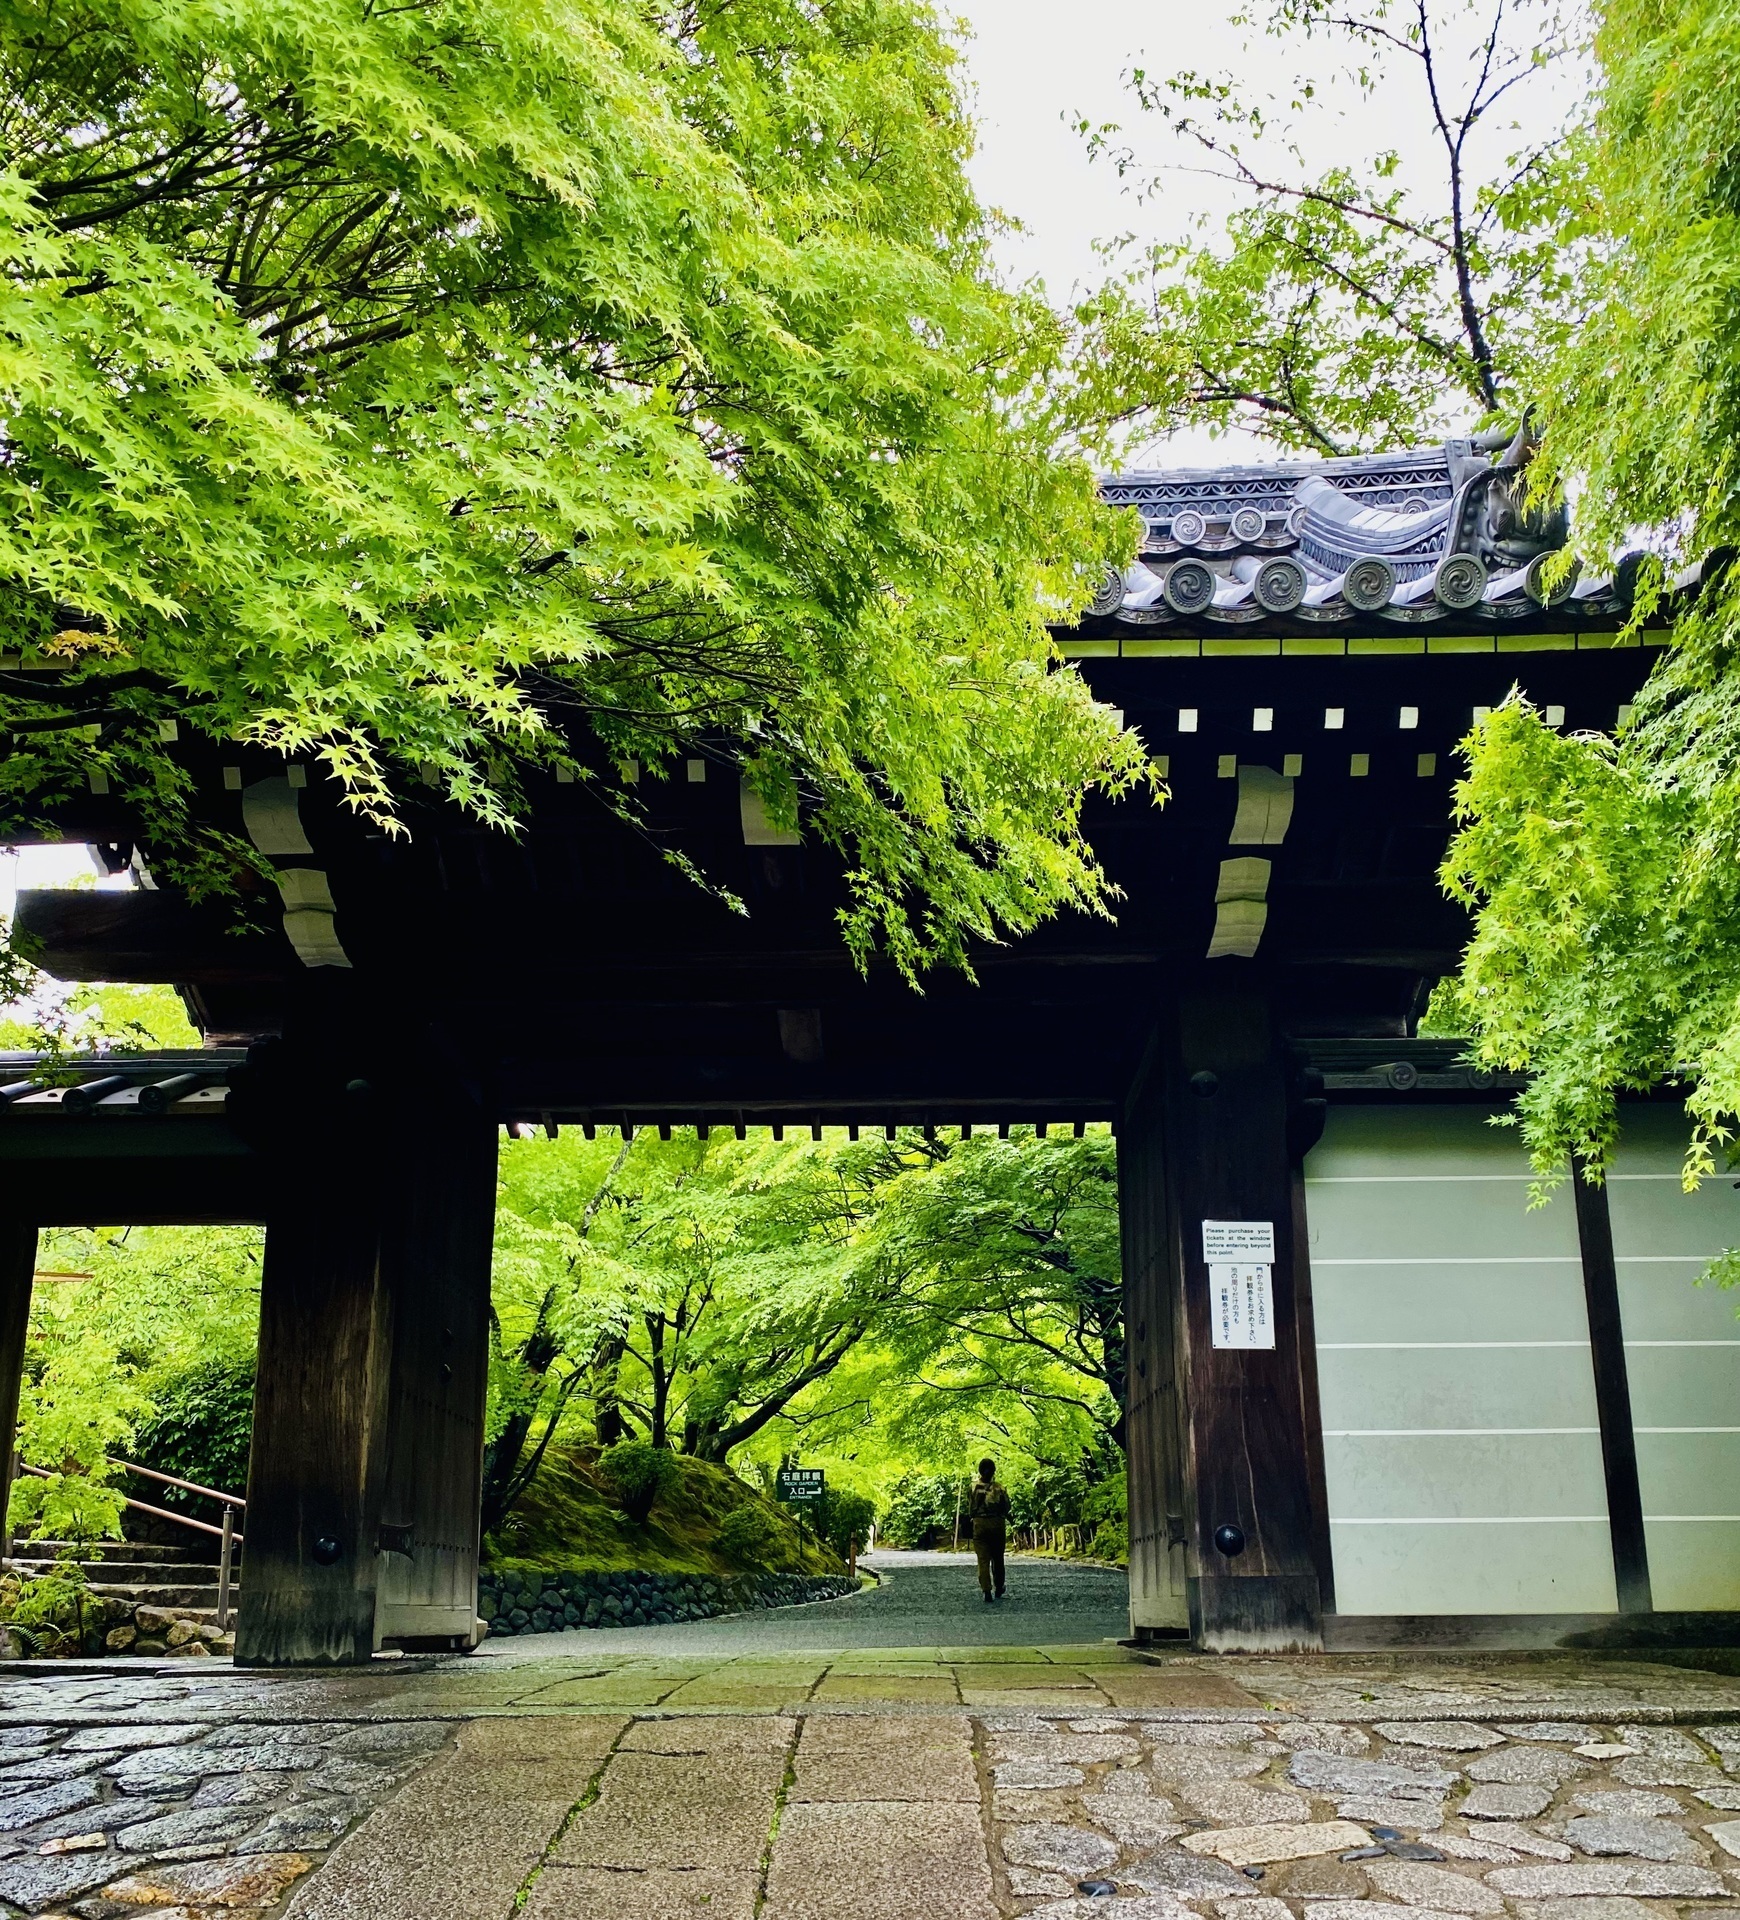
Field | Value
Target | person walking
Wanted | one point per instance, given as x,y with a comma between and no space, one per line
988,1508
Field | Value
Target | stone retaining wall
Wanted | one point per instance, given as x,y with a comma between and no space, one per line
519,1602
116,1625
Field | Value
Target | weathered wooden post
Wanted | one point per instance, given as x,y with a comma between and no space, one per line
320,1414
437,1260
226,1554
17,1276
365,1472
1153,1407
1222,1529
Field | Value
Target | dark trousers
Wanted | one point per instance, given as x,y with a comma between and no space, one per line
988,1545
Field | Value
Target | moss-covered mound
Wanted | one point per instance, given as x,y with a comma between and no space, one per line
570,1520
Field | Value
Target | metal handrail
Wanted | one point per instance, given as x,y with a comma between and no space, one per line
142,1506
226,1533
187,1486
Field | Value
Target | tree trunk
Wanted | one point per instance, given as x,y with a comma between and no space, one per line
501,1458
661,1379
607,1420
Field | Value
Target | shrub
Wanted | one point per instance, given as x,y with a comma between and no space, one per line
201,1430
922,1510
749,1534
1106,1510
50,1612
1107,1499
637,1473
839,1517
1111,1541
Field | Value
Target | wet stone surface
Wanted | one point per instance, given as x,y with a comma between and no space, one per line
1429,1817
932,1782
187,1818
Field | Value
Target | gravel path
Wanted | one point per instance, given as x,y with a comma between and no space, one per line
925,1600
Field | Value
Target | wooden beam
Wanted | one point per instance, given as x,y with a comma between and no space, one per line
1310,1399
1612,1396
1514,1632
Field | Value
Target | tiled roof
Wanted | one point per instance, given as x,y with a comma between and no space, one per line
1436,538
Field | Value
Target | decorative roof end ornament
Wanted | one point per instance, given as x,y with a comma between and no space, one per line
1459,581
1189,586
1109,594
1523,445
1278,585
1535,581
1369,584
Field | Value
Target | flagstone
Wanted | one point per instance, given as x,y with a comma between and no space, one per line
1257,1846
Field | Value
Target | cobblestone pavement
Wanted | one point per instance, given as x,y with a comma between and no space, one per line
875,1784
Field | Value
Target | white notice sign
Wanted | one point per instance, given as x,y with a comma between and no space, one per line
1238,1240
1242,1301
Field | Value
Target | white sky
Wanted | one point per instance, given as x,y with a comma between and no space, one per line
1034,62
47,867
1037,65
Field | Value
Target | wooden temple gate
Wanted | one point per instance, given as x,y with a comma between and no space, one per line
1325,1444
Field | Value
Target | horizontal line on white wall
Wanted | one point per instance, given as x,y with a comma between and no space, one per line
1682,1343
1432,1346
1482,1520
1408,1179
1469,1260
1663,1259
1533,1520
1685,1429
1429,1433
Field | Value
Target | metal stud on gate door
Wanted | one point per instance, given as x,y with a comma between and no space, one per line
1230,1540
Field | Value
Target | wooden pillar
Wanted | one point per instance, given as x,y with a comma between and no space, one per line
315,1471
1159,1607
366,1468
1253,1580
17,1276
437,1260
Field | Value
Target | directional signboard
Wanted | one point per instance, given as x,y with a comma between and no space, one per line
801,1483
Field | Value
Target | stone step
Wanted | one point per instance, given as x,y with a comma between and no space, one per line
117,1551
178,1599
137,1572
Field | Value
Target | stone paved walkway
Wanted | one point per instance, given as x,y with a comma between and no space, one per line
869,1784
924,1600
